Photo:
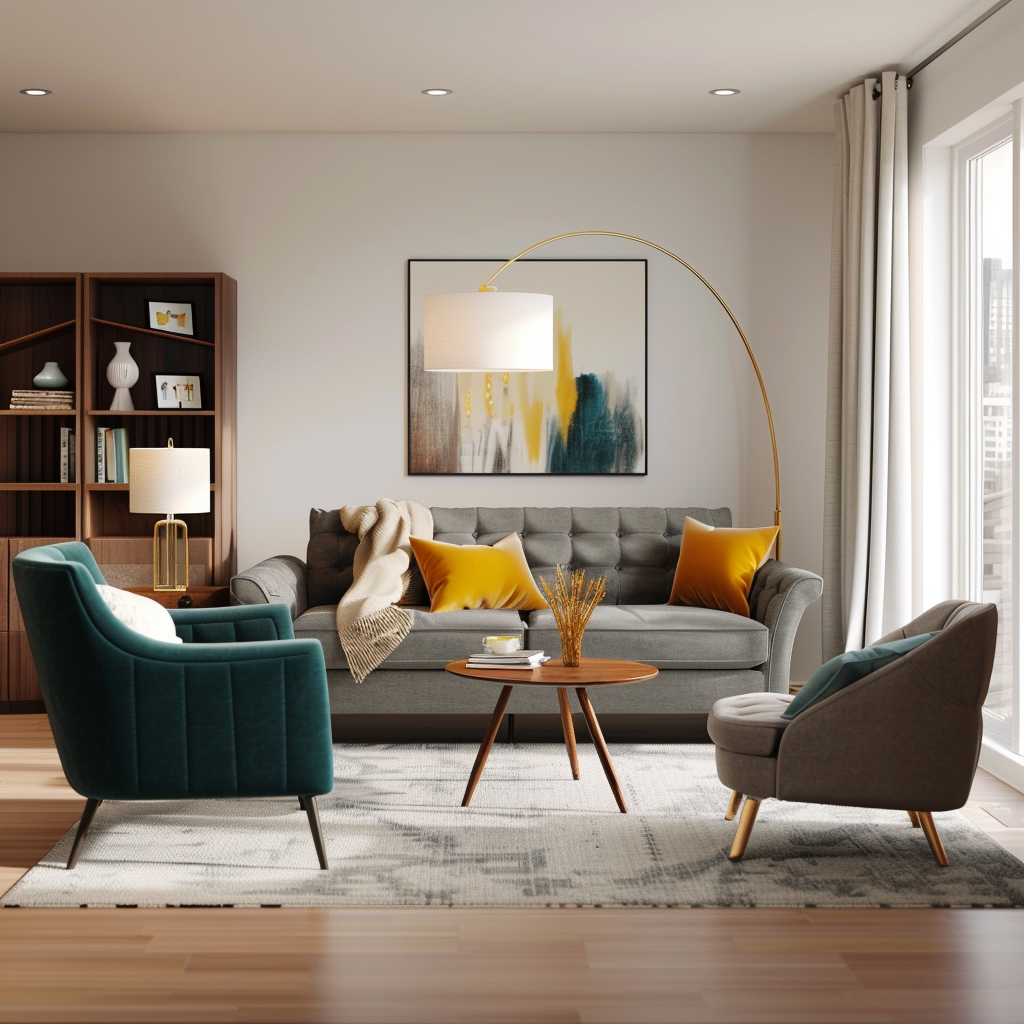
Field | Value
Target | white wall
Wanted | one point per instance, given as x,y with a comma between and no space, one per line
317,231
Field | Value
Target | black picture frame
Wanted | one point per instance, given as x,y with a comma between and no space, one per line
415,375
201,383
152,314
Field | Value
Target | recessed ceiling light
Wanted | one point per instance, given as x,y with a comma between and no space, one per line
436,92
35,92
725,92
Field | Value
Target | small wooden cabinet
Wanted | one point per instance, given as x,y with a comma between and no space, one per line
74,319
200,597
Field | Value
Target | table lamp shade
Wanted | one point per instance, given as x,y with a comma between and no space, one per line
488,331
169,480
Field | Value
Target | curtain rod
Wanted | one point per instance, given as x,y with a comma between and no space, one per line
877,91
956,39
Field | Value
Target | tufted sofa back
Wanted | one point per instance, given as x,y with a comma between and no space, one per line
637,548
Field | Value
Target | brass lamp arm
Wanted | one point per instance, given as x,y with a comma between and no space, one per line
486,287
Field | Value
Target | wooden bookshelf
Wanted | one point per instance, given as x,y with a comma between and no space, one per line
73,319
40,322
116,310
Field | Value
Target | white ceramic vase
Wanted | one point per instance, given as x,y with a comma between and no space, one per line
122,373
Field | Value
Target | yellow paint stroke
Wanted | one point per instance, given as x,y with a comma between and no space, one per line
533,420
489,394
565,387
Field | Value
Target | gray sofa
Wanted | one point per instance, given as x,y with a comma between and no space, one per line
702,654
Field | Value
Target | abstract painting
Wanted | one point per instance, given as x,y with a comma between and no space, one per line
587,416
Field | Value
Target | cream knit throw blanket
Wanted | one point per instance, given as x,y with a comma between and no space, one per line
370,625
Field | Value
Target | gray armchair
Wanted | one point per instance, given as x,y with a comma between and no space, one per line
906,737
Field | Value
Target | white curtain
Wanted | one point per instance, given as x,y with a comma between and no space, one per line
867,528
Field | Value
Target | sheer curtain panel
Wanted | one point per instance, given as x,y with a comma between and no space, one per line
867,528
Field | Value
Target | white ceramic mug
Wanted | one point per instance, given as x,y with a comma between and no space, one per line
502,644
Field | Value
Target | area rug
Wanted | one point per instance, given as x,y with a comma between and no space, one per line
396,835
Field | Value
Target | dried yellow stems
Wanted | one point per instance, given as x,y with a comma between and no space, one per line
572,603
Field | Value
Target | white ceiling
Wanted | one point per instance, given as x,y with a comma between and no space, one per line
516,66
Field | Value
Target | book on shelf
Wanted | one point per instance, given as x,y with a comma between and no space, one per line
111,455
67,455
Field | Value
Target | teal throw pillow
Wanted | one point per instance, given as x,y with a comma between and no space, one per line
840,672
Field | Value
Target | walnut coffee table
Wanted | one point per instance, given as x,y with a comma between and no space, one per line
590,672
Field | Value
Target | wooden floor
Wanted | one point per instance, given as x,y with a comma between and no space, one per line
440,965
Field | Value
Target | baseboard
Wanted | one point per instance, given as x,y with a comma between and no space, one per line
1003,764
22,707
517,728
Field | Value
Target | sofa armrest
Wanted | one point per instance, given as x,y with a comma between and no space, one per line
237,624
282,579
778,597
889,740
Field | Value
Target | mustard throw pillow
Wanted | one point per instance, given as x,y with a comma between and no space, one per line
476,576
717,566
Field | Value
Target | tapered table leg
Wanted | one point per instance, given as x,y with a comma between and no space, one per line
602,750
567,730
485,746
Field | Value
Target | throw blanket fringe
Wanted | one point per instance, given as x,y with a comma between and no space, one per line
370,626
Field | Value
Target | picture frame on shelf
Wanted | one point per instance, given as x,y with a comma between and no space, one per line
171,317
178,390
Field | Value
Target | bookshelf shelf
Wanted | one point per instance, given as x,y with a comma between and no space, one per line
165,335
69,413
42,486
28,339
100,413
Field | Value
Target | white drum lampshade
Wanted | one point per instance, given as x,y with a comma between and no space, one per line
169,481
488,331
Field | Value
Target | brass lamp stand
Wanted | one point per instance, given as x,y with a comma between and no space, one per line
467,331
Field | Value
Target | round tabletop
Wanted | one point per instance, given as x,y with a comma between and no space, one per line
589,672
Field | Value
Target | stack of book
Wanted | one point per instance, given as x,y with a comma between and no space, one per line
111,455
517,659
54,401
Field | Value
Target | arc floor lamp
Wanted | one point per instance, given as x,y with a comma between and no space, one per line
488,331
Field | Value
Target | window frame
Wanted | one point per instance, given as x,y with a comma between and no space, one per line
969,435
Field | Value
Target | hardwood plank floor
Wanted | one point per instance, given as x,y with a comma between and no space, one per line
454,965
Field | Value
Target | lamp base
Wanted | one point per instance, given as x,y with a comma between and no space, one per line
170,555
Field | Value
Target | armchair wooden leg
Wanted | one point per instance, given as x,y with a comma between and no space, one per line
932,834
309,806
747,817
83,828
735,799
914,819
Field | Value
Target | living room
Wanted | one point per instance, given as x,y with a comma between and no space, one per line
292,147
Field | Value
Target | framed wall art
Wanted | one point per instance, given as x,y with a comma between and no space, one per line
587,416
171,317
178,390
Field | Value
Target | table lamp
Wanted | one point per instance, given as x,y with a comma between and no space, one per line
169,478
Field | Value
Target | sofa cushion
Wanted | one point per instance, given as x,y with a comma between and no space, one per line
751,723
665,636
435,639
329,556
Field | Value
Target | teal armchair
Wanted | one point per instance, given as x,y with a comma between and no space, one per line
239,709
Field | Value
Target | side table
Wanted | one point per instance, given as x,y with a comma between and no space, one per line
201,597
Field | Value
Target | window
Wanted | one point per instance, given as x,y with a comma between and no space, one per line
988,378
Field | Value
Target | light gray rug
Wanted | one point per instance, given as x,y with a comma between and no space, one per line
396,835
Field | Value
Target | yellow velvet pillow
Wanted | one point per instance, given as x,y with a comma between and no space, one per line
717,566
476,576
